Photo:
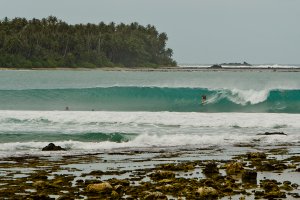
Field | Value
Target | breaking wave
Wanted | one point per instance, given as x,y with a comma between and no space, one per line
153,99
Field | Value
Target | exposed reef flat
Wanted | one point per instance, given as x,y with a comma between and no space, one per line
242,172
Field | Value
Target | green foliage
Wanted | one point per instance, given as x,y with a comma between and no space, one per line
50,42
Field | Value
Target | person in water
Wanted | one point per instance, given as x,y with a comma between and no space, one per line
67,108
203,99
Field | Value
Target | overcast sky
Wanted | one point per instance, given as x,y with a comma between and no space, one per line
199,31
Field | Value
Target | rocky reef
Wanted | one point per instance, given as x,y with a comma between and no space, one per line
164,176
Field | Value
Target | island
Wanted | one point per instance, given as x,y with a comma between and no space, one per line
236,64
52,43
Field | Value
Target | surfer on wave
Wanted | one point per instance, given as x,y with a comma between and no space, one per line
203,99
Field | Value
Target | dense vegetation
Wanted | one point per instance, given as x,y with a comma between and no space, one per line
50,42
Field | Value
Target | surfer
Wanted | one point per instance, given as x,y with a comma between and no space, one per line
67,108
203,99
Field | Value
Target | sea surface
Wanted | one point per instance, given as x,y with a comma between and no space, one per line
94,111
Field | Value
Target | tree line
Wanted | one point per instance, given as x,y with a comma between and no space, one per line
50,42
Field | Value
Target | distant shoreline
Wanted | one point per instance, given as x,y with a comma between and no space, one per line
164,69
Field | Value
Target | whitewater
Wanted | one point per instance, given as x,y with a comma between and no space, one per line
115,110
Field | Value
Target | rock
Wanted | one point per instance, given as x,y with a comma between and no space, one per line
256,155
207,193
159,175
177,167
272,133
52,147
287,182
114,195
166,181
119,189
96,173
39,184
272,190
103,188
41,197
274,195
216,67
249,176
269,185
115,182
155,196
295,185
295,195
211,168
286,187
234,168
265,166
246,64
259,193
64,197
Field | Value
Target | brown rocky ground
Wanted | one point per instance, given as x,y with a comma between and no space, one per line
264,174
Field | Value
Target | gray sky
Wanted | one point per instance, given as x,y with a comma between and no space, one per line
199,31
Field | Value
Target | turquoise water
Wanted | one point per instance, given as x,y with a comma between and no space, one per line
152,99
110,110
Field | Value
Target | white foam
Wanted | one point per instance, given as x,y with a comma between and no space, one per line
161,118
152,129
149,140
248,96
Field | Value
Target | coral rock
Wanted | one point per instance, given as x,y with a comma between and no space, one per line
100,188
234,168
211,168
207,193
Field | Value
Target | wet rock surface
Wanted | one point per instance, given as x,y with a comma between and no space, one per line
272,133
164,176
53,147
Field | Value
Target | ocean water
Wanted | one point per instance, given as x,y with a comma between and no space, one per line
117,110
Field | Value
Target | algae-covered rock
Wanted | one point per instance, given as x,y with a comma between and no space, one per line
104,188
177,167
114,195
234,168
39,184
256,155
159,175
166,181
41,196
211,168
286,187
295,185
155,196
122,182
269,185
207,193
249,176
275,195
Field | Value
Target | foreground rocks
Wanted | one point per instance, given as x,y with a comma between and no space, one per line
272,133
103,188
177,179
53,147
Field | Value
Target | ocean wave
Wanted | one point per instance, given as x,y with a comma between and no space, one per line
153,99
93,131
156,140
87,122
